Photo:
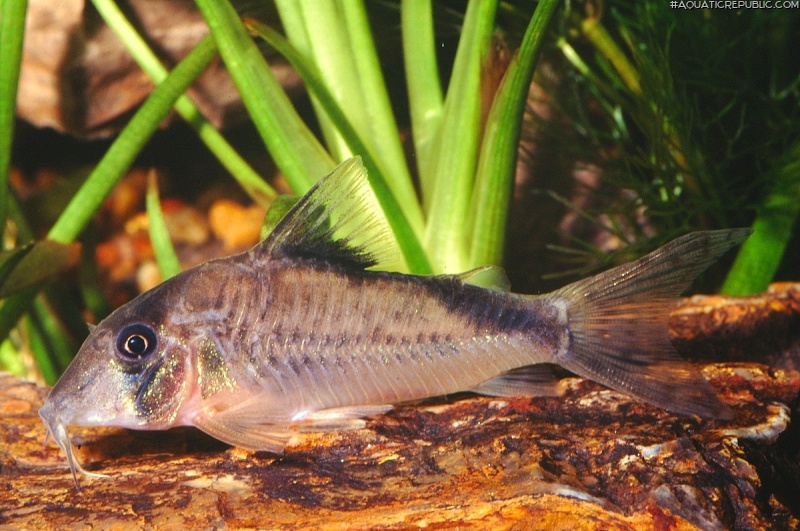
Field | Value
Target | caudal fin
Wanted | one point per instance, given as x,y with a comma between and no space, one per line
618,325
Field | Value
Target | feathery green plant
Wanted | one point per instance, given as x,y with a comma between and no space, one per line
696,113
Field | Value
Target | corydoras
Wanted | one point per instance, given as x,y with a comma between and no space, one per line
301,332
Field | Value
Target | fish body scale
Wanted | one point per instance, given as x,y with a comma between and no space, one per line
313,337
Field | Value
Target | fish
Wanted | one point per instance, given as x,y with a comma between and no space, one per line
315,328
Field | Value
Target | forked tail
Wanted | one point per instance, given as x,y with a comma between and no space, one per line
618,325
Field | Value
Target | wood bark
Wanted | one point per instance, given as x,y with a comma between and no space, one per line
592,459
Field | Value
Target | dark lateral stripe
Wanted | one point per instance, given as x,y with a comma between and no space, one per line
488,311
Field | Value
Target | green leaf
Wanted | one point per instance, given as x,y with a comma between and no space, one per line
422,74
168,263
333,37
498,157
377,124
261,192
404,229
761,254
447,180
35,263
12,32
317,32
39,349
296,151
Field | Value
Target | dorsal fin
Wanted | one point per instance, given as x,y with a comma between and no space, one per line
338,220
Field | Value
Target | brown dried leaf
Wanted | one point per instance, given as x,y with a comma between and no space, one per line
77,76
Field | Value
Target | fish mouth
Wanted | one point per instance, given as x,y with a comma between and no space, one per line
58,431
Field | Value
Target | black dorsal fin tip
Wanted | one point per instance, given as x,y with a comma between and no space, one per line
339,220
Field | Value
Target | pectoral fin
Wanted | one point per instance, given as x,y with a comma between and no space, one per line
246,425
337,419
258,437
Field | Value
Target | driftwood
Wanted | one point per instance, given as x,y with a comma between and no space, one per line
592,459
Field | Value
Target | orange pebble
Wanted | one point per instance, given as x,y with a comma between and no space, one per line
237,226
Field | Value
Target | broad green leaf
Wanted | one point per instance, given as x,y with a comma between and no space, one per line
333,37
761,254
447,180
422,74
403,228
380,128
316,30
35,263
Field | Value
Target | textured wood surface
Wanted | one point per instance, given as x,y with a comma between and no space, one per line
592,459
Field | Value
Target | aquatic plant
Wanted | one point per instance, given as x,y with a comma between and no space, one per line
692,113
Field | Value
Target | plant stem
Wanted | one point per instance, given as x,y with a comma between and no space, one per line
497,163
594,30
110,169
261,192
12,33
129,142
166,258
422,75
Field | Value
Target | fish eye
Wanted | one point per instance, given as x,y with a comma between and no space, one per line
136,341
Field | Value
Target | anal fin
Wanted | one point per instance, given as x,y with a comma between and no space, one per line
532,380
